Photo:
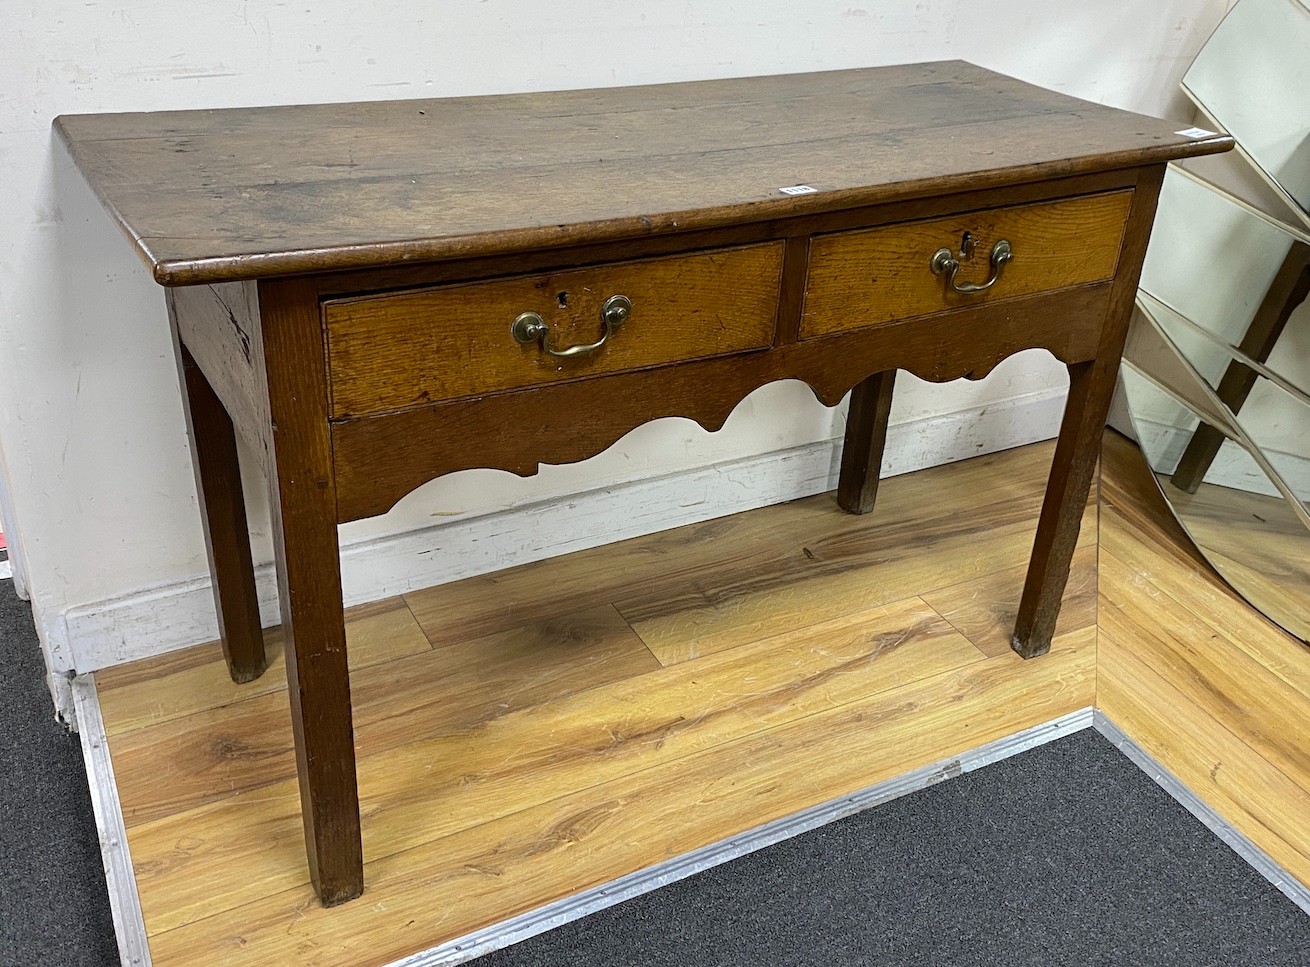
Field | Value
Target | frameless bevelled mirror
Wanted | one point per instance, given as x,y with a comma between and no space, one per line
1217,379
1252,78
1217,366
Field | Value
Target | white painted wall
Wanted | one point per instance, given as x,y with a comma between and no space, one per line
90,422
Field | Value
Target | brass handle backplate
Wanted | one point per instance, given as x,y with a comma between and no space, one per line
945,263
529,327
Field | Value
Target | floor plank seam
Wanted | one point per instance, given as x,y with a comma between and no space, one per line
958,630
640,637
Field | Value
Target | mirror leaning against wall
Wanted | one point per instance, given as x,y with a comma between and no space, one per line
1217,368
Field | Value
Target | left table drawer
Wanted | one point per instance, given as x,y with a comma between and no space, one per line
395,350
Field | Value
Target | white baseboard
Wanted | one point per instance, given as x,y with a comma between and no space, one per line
1232,467
174,616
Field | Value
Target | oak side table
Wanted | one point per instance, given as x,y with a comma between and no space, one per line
375,294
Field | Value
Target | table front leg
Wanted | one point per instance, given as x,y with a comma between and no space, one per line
1091,386
1076,453
304,505
866,438
309,586
223,514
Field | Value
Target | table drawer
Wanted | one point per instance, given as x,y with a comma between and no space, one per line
390,351
875,276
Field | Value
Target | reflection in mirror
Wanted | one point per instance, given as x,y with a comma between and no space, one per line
1149,349
1217,364
1250,78
1232,271
1272,413
1256,539
1282,456
1282,439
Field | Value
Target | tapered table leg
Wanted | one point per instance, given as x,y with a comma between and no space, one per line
304,505
223,513
1076,453
866,438
1091,386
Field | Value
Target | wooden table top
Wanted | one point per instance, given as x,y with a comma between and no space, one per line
222,195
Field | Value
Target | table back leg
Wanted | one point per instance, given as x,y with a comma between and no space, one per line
223,514
866,438
303,502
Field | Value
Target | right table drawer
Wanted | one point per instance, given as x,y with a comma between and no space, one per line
870,277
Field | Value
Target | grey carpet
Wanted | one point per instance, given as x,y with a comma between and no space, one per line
54,908
1067,854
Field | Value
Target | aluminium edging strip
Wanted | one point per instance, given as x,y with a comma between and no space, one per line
1237,841
124,902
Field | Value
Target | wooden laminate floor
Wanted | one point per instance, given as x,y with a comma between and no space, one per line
1205,684
528,734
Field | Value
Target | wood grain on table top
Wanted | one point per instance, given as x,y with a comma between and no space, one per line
221,195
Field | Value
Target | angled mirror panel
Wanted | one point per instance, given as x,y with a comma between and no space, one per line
1208,355
1217,365
1252,76
1223,266
1213,359
1150,350
1266,420
1163,424
1273,415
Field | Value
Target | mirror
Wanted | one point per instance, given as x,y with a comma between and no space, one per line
1273,411
1251,79
1217,379
1217,366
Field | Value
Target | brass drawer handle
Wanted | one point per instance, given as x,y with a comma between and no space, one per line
530,327
943,261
